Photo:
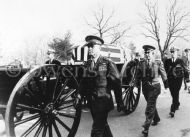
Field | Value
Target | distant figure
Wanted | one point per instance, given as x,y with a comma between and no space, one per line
131,66
52,60
165,56
185,58
176,70
137,57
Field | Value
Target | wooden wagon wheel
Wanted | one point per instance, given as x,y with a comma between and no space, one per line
130,93
45,101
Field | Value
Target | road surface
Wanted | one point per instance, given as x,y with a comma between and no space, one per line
130,126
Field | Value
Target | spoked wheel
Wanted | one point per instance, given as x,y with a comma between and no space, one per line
130,93
43,103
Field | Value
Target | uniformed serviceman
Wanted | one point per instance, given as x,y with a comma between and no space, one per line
185,58
130,66
51,57
149,70
176,69
102,77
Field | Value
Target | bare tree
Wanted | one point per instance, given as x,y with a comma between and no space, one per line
177,24
104,27
32,55
34,51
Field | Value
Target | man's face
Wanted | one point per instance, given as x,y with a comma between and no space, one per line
186,54
137,57
149,54
173,54
94,50
51,55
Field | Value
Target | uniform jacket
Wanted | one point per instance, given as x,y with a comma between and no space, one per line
98,84
177,69
151,74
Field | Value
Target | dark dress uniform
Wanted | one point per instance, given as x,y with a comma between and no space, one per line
187,63
175,72
148,73
97,87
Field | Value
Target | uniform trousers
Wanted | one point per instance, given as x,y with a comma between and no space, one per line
175,86
100,127
151,93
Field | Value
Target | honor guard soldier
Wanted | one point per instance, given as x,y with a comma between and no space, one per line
176,70
148,72
51,57
103,76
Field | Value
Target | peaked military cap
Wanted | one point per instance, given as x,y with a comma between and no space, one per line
186,50
94,39
148,48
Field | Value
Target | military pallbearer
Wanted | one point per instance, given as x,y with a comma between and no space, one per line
149,70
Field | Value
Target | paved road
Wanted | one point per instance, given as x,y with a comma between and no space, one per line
130,126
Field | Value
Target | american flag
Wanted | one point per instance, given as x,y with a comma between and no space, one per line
114,53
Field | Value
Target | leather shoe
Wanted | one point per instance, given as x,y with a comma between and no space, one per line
154,123
172,114
145,132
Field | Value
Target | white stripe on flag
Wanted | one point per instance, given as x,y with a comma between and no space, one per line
85,53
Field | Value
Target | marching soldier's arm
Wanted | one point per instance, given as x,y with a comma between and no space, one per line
163,74
114,81
113,74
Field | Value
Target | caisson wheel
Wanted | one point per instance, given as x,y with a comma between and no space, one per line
130,92
43,103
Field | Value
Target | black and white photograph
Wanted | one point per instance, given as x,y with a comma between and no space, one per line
94,68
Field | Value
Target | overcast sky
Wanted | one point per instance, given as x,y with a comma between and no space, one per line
23,21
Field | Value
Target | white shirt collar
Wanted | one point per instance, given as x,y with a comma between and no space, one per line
174,59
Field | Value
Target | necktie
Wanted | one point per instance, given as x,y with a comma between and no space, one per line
92,64
148,63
